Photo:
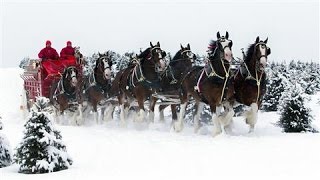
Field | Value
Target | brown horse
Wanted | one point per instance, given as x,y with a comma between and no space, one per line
98,85
66,94
171,79
139,81
250,80
211,85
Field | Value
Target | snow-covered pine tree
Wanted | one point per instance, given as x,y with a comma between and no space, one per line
41,149
275,88
5,150
295,116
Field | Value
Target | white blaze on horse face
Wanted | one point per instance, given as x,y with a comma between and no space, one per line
227,50
159,54
162,65
107,69
107,73
74,77
263,52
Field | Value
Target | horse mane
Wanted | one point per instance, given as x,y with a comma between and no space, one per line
212,45
144,55
177,55
249,53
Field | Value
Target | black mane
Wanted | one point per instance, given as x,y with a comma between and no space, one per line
212,48
249,53
177,55
144,54
212,45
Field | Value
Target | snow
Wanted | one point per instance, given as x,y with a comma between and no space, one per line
110,152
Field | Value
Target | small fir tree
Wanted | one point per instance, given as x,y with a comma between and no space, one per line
295,116
42,149
5,150
275,88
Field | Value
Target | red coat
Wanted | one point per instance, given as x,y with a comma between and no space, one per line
48,53
67,51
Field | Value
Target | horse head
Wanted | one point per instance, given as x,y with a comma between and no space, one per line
70,76
156,55
183,58
186,53
260,53
224,45
103,65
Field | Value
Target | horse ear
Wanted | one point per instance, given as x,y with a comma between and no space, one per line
265,41
188,46
181,46
151,44
227,35
99,54
218,35
257,39
158,44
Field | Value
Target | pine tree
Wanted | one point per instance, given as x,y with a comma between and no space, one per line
5,150
41,149
295,117
275,87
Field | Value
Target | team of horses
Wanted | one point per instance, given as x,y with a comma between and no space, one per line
148,78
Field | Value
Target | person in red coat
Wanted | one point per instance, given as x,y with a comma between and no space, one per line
48,52
67,51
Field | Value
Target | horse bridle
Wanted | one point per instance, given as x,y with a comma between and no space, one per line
72,76
223,61
106,65
156,65
263,45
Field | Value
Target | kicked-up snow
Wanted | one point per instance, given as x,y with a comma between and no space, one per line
107,151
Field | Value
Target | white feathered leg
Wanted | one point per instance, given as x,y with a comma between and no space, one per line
108,113
227,121
122,116
178,125
161,118
96,117
216,119
80,117
251,116
151,116
196,118
141,116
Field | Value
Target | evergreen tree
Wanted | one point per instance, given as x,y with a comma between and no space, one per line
275,87
295,117
41,149
5,150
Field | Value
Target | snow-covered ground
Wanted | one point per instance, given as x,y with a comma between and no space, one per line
109,152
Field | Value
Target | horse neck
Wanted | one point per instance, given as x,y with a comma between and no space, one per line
67,86
217,64
252,67
148,70
98,75
179,67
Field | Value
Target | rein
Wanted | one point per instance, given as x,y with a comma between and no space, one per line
214,74
249,76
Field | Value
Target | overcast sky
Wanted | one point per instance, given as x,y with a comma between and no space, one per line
292,26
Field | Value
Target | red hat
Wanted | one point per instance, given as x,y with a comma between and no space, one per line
48,42
69,42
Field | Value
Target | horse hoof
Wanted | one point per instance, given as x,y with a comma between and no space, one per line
177,127
216,133
251,130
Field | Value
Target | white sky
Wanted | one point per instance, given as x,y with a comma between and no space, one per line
292,26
